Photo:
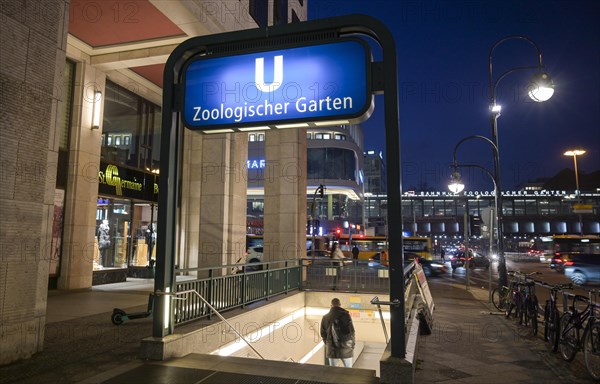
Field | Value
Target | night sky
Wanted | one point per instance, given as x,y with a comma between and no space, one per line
443,49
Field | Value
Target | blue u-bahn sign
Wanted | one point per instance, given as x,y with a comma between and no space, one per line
278,88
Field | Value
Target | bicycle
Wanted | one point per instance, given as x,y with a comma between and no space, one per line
529,312
552,315
501,296
515,300
524,301
571,338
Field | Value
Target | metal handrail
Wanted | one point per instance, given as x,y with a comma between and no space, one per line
375,301
221,317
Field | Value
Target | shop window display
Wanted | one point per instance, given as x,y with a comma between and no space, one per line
125,234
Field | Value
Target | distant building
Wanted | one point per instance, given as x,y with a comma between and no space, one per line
375,174
527,213
334,160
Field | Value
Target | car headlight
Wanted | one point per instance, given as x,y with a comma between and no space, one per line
436,265
494,256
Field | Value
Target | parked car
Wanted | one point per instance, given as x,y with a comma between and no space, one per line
254,258
475,260
583,268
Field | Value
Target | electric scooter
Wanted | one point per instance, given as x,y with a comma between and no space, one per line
119,316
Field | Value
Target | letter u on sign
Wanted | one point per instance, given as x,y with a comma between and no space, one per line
259,74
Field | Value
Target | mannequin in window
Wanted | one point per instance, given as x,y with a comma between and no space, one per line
103,240
150,241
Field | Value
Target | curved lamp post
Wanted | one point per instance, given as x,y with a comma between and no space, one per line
456,186
575,153
540,89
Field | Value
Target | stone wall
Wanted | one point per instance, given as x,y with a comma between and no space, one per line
32,57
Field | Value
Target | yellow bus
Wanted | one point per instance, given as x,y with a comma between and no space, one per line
370,246
418,245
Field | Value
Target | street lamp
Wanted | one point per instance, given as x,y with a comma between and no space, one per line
540,89
456,186
575,153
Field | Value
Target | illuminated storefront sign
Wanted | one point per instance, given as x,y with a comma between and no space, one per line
328,81
124,182
256,164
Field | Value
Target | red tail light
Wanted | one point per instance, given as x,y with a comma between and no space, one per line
567,263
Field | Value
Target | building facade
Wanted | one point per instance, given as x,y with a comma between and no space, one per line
526,214
81,113
334,160
375,175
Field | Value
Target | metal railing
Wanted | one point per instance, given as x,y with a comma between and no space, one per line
353,276
226,291
234,286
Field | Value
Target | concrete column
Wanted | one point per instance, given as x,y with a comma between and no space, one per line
285,195
82,189
222,201
32,59
189,241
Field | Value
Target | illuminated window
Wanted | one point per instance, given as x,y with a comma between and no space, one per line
132,129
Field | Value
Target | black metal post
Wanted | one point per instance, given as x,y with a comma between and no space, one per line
495,111
497,200
385,81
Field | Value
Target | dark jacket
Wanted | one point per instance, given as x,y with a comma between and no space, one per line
341,347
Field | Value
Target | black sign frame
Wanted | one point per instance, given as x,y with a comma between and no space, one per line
384,81
363,114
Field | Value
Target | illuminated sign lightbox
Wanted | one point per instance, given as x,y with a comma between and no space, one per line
329,81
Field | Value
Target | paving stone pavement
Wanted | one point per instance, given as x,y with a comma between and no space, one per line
80,348
472,343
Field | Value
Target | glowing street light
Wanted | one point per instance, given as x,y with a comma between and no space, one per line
575,153
456,185
540,88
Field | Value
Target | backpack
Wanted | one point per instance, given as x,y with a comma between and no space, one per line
337,331
334,334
